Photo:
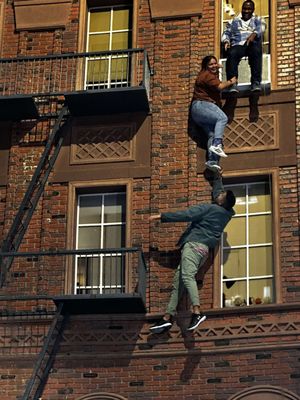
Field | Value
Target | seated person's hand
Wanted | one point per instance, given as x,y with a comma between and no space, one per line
227,46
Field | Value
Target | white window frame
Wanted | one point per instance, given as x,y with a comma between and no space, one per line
247,246
100,287
108,83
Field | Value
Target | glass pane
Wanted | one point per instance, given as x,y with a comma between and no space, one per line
120,19
119,69
119,41
234,263
261,291
235,295
114,236
99,21
261,261
260,229
240,194
89,209
114,208
113,271
89,237
99,42
235,232
88,271
259,198
97,71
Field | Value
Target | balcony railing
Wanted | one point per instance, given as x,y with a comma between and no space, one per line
117,274
65,73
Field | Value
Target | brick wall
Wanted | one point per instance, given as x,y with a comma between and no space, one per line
175,49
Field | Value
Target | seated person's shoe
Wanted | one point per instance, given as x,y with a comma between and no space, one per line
233,88
218,149
161,326
196,320
255,87
213,166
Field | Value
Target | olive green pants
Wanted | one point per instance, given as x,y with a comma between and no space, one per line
193,256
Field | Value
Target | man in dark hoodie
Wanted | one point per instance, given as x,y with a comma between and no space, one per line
207,222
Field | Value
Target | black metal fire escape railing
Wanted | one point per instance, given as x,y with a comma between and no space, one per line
14,237
113,271
57,75
64,73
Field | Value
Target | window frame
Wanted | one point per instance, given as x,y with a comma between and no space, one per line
99,286
76,188
231,178
83,19
272,38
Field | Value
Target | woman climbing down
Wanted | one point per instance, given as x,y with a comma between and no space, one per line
206,109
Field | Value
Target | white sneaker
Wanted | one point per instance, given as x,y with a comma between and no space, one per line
212,167
218,150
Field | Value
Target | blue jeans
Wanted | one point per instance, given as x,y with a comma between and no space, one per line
212,120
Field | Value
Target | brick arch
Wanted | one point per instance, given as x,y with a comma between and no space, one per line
101,396
265,392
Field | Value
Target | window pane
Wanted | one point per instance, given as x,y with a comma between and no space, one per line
97,71
261,291
114,236
113,271
260,229
90,209
89,238
261,261
259,198
99,21
88,273
240,195
235,232
115,207
119,41
235,295
119,69
120,19
234,263
99,42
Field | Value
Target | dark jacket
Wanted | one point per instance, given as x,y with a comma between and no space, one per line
207,220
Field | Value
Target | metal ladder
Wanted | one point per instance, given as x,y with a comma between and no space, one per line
35,385
34,191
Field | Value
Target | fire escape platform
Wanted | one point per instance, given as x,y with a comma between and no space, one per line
107,101
17,108
101,304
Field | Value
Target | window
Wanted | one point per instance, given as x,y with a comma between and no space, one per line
109,31
101,224
247,248
230,9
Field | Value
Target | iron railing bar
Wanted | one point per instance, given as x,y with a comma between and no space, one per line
69,252
71,55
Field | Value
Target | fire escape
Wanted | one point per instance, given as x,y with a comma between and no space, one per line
77,85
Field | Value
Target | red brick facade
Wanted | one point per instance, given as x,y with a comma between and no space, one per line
114,356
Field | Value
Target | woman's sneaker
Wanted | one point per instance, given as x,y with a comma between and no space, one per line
196,320
218,149
212,166
161,326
